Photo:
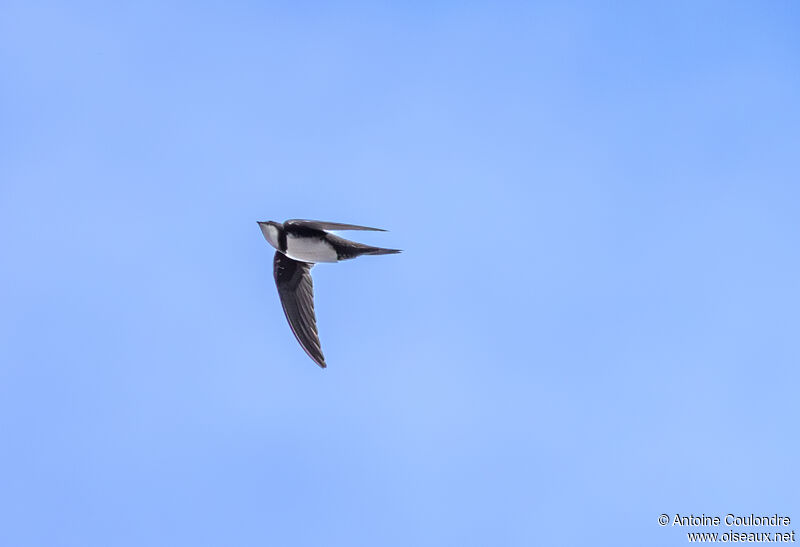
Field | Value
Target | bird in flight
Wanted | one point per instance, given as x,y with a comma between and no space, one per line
300,245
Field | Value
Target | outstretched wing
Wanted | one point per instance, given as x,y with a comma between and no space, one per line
296,290
320,225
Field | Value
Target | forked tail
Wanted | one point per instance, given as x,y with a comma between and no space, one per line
346,249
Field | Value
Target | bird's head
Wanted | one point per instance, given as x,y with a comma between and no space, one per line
271,231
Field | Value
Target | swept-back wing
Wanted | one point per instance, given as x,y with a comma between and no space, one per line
320,225
296,290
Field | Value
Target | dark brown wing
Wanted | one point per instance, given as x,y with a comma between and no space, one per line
296,290
320,225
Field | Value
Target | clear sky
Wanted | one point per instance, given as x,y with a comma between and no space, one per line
595,319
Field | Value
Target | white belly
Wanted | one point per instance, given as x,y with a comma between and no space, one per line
307,249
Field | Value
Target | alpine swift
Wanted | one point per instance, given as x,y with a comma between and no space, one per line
300,245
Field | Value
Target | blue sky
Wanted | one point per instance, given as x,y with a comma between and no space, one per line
595,319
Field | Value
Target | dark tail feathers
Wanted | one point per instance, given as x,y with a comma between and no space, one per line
381,251
358,249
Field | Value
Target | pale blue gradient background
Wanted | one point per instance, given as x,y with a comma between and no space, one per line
595,320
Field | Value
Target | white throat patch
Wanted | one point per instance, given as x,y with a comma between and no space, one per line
270,234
